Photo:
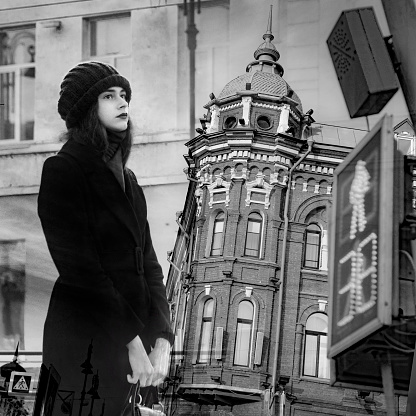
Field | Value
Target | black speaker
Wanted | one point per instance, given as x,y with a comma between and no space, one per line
362,62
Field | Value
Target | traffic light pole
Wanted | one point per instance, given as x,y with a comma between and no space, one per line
408,241
401,19
388,385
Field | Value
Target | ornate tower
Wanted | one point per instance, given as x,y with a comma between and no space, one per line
249,264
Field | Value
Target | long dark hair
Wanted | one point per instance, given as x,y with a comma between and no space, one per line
92,132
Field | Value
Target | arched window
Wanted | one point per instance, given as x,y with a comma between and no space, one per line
312,246
253,236
244,332
315,363
218,234
206,329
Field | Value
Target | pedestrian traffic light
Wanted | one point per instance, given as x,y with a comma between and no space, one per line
364,239
363,262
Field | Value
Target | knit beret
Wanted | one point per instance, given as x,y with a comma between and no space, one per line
81,87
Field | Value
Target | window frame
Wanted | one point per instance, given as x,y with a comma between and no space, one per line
218,237
260,234
317,258
250,337
319,352
17,70
110,58
204,320
210,224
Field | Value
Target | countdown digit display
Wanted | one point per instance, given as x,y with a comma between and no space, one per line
364,240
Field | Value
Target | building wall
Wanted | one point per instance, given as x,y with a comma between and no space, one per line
305,293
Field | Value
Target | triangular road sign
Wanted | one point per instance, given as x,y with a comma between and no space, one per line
21,382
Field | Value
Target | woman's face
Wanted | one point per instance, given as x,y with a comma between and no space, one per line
113,109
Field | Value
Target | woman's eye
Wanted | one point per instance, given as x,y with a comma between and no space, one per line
107,96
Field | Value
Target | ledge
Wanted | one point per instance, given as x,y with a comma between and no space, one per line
315,272
19,190
23,148
215,394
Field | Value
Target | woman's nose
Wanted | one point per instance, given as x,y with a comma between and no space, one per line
123,102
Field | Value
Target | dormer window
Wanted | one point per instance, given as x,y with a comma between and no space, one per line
230,122
264,122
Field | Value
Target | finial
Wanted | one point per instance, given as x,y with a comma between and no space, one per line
267,53
269,33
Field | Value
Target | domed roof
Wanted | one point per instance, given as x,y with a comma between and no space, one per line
261,82
264,75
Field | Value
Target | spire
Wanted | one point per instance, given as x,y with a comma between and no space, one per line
266,54
16,353
269,26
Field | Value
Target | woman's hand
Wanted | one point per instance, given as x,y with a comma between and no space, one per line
142,369
159,357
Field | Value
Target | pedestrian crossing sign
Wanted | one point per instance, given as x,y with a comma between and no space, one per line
21,382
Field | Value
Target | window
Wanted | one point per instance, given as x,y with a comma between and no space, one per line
17,83
312,246
230,122
252,247
110,42
264,122
244,331
217,235
316,364
206,329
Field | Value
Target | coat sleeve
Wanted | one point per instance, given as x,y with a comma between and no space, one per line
159,325
62,209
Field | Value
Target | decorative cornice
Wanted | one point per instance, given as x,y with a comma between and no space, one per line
219,187
268,106
231,106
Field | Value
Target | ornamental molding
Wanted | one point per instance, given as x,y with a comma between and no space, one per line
239,174
316,168
241,295
231,106
258,187
268,106
199,193
219,191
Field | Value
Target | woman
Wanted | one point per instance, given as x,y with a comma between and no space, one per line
110,289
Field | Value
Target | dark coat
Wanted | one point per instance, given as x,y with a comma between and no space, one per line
110,286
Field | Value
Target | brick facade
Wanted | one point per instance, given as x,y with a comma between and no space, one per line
265,166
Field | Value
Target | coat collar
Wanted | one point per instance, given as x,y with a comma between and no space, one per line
105,185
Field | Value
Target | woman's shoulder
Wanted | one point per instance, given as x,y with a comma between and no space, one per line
133,179
62,163
132,176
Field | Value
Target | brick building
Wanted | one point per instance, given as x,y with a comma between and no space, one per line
248,282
